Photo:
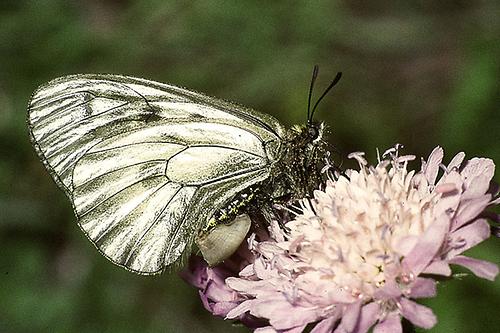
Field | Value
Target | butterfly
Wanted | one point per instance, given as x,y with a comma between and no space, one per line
151,168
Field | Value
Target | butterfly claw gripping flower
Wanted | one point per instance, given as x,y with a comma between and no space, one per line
368,245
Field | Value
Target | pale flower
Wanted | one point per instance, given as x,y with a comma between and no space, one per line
368,245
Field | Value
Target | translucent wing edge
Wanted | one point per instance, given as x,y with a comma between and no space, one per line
37,147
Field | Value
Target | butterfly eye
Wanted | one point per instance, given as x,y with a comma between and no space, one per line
313,132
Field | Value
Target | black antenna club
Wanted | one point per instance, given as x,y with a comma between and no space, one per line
310,113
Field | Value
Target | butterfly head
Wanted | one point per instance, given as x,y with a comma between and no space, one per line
309,134
306,149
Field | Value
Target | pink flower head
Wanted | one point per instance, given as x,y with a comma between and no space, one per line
216,296
368,245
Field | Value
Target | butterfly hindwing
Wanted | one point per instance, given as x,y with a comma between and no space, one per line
146,164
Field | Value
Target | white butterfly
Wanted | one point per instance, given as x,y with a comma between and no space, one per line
146,164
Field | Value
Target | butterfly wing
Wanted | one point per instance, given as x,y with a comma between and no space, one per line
146,164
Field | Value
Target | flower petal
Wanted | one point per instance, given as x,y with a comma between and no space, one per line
325,326
391,324
278,310
480,268
469,236
205,302
298,329
252,287
427,246
446,188
470,209
440,267
423,287
449,201
432,166
262,271
195,272
477,174
367,318
390,290
351,316
267,329
280,318
418,314
222,308
405,244
456,161
240,309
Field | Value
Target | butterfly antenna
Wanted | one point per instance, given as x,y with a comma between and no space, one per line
313,79
332,84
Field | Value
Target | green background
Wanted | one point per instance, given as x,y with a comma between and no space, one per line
421,73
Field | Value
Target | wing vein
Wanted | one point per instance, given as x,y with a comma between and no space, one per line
132,144
155,221
203,100
176,230
111,228
62,130
53,113
231,175
119,169
227,147
114,194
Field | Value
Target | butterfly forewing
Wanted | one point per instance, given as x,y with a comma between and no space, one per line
146,164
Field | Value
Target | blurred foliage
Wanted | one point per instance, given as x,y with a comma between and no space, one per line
421,73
